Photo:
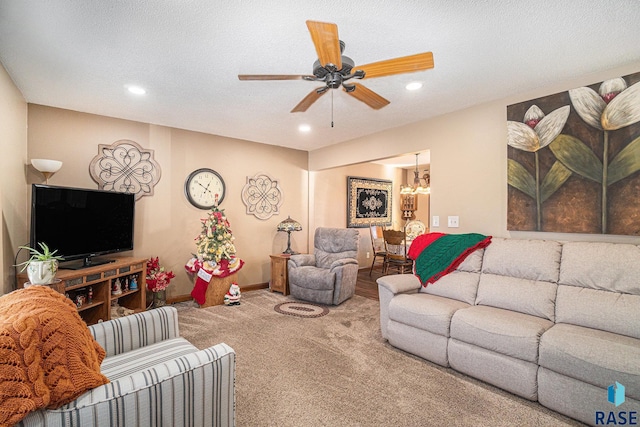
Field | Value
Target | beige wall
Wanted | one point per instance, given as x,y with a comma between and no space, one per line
13,202
468,151
166,224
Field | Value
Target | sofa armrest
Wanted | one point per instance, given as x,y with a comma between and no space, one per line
137,330
194,389
390,286
342,262
301,260
399,283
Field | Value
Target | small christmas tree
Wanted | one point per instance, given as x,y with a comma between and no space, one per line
215,253
215,242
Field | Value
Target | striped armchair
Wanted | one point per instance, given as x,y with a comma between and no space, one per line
156,378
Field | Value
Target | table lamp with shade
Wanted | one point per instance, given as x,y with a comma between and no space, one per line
289,225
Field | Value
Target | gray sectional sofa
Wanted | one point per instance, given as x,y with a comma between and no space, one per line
553,322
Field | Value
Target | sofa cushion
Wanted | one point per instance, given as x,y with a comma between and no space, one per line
507,332
459,285
473,262
332,244
428,312
527,296
595,357
525,259
597,309
608,266
124,364
514,375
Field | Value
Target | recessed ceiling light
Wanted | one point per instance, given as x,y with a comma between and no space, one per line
413,86
136,90
304,128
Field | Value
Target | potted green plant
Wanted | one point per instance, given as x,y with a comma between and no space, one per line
42,266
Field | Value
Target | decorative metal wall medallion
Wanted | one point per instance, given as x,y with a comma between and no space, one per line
262,196
125,167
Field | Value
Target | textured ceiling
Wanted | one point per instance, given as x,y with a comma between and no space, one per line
80,55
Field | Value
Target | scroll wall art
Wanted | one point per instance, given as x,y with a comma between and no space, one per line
573,160
125,167
262,196
368,201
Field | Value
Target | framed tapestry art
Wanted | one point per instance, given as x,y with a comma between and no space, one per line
368,201
573,160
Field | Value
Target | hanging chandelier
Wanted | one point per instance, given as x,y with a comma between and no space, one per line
420,185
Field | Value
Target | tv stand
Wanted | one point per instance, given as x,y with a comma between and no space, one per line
99,280
86,263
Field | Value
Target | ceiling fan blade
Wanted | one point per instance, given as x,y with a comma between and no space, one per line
274,76
405,64
325,39
308,100
369,97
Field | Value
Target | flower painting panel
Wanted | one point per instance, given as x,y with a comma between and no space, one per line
573,160
368,201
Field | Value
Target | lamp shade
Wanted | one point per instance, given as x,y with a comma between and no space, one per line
46,165
289,225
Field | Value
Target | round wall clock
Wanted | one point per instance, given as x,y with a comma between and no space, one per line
203,187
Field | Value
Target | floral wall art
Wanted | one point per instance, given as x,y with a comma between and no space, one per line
573,160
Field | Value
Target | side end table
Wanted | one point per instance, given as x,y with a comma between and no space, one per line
279,274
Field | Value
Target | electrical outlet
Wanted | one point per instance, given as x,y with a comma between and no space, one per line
454,221
368,255
435,221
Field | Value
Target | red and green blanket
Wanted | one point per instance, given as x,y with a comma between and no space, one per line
438,254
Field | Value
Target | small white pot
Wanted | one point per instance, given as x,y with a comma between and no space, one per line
42,272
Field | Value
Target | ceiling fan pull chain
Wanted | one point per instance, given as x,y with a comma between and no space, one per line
331,108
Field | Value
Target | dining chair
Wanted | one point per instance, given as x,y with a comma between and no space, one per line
396,244
377,245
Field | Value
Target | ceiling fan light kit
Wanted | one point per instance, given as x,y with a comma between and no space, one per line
335,70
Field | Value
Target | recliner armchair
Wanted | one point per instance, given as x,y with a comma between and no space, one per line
328,276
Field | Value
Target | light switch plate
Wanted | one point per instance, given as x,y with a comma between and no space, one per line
454,221
435,221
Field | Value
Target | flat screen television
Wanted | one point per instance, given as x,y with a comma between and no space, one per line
81,223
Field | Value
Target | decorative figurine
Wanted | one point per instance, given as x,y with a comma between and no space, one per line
80,300
133,285
90,295
232,297
117,288
126,284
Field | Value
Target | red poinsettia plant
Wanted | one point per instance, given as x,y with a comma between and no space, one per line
157,277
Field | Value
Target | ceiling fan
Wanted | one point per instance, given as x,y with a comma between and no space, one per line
335,70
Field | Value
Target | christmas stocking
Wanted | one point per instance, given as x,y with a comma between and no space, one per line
200,288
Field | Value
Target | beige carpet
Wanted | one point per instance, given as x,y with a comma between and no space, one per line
336,370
